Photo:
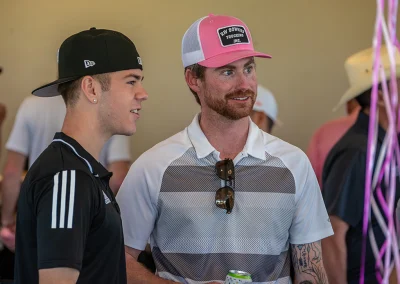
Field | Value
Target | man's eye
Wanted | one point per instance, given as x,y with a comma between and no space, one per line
249,69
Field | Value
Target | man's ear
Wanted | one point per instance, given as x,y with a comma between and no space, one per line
89,86
192,81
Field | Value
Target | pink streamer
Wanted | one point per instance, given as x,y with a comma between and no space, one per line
387,170
371,133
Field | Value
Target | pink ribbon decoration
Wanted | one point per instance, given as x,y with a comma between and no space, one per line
388,162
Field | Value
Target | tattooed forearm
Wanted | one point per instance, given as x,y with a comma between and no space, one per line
307,262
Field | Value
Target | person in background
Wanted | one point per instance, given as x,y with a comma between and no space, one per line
265,110
6,256
36,122
3,112
326,136
343,176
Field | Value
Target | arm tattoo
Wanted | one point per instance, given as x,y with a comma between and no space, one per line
307,259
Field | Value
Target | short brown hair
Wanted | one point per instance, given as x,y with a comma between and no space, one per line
69,90
198,71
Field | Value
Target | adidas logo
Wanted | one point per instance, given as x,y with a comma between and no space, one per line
139,60
89,63
106,199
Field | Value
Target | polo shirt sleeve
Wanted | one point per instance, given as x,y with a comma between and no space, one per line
18,140
310,220
343,186
65,205
137,199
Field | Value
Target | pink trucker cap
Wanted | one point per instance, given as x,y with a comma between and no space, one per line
217,40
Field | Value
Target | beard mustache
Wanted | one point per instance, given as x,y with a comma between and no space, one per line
241,94
223,107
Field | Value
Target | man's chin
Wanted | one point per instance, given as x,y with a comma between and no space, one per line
127,132
237,114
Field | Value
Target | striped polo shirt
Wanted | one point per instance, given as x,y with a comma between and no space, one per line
169,197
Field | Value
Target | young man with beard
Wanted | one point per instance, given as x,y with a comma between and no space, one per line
222,194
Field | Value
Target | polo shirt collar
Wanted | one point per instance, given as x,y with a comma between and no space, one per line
362,123
94,166
254,144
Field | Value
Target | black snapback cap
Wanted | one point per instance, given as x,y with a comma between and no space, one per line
91,52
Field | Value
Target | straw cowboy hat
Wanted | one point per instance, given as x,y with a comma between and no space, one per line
359,69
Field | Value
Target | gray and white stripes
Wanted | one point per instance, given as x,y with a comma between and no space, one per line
63,200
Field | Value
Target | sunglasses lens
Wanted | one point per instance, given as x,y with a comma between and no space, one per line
225,198
225,169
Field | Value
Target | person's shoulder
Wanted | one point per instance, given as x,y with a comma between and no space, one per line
117,143
337,126
349,150
32,108
40,105
38,184
353,140
173,146
27,106
277,147
284,154
118,139
54,159
165,151
31,102
347,120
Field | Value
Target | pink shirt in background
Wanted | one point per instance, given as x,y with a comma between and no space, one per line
325,138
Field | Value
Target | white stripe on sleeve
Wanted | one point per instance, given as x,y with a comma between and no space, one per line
71,200
54,206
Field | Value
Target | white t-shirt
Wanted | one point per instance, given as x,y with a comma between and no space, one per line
38,119
169,195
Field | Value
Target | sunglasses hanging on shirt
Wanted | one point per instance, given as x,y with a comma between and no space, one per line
225,196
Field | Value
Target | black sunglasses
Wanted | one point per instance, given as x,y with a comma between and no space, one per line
225,196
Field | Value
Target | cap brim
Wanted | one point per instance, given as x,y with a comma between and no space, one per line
351,93
51,89
278,123
356,90
229,57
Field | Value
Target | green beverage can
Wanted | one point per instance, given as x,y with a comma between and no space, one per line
237,277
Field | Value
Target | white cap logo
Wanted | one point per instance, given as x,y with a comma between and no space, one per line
89,63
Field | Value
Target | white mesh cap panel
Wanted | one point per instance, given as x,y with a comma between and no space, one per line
191,47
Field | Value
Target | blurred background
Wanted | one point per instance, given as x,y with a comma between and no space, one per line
308,39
